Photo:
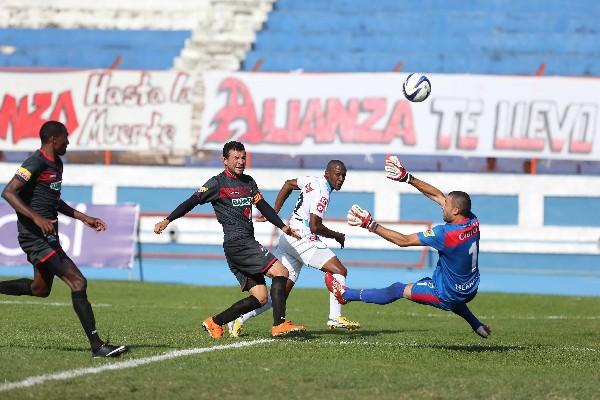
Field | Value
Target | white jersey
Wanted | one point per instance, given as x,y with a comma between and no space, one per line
313,199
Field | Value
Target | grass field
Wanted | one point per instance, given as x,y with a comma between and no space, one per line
544,347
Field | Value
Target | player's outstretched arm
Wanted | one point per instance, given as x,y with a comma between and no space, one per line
285,191
395,171
95,223
10,194
358,216
179,212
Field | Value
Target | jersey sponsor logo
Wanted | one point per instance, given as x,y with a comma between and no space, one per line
308,188
56,185
23,173
231,192
202,189
429,233
257,197
460,236
322,204
242,202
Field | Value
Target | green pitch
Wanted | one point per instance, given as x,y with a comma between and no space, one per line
543,347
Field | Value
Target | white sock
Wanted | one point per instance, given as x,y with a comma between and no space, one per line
258,311
335,308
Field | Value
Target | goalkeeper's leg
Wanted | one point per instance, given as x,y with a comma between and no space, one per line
478,327
377,296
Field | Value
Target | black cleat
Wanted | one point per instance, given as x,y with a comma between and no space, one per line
109,350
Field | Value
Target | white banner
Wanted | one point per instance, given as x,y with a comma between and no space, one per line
466,115
102,109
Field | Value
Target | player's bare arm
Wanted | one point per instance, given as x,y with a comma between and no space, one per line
95,223
10,194
317,227
358,216
429,190
285,191
395,171
397,238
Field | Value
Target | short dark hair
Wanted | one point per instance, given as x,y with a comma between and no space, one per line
335,163
52,129
233,145
462,201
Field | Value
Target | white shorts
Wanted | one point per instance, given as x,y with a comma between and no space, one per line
294,253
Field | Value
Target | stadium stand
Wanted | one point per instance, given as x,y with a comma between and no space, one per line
492,37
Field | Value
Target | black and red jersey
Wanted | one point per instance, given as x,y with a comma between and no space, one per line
232,198
42,178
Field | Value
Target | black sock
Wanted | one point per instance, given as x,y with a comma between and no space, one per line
278,299
84,311
237,309
18,287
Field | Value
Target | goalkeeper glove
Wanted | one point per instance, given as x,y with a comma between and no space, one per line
359,217
395,171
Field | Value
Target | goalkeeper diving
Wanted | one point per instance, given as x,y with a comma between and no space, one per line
456,277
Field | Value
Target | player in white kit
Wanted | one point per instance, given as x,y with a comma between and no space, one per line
307,219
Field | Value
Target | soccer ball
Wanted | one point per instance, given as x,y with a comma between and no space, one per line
416,87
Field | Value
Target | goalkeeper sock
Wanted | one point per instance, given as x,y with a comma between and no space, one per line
378,296
463,311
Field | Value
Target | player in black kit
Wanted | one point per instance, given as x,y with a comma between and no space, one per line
34,193
232,195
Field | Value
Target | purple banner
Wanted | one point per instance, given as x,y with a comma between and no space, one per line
87,248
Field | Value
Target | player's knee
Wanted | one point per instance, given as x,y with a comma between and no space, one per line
79,284
262,299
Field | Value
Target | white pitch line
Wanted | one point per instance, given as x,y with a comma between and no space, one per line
50,304
36,380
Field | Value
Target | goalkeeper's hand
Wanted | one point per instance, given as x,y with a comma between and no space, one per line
395,171
359,217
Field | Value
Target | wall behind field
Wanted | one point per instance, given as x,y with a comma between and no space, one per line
536,222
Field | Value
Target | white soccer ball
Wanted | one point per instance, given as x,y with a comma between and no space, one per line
416,87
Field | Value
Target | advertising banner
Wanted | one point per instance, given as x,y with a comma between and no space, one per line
465,115
102,109
112,248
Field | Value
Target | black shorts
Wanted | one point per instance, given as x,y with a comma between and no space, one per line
248,260
39,248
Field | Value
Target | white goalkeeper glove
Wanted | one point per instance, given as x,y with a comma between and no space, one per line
359,217
395,171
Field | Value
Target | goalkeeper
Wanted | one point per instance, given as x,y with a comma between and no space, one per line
456,276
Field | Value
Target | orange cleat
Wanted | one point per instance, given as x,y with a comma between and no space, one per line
335,287
286,328
214,330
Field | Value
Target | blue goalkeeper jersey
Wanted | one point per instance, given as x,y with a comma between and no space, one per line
456,275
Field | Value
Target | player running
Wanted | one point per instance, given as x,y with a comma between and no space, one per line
34,193
307,218
456,277
232,195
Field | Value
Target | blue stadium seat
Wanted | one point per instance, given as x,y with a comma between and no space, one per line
91,48
470,36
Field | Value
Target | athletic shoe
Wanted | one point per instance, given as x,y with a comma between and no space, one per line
235,327
214,330
285,328
343,323
484,331
335,287
109,350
